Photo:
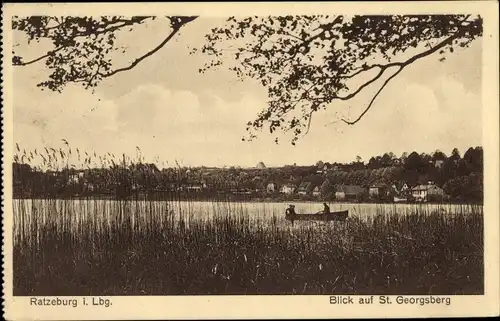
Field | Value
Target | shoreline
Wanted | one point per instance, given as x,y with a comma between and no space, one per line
239,200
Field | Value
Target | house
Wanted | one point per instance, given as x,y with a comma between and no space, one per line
90,187
288,189
305,188
438,163
322,168
76,176
316,191
271,188
349,192
403,190
428,192
377,190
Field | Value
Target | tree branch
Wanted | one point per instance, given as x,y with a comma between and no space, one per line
111,28
93,77
294,50
374,97
297,101
309,123
383,68
37,59
149,53
176,28
363,86
367,68
401,66
176,23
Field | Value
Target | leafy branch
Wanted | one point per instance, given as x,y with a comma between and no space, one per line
400,66
307,62
83,46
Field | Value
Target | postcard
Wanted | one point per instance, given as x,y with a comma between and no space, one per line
250,160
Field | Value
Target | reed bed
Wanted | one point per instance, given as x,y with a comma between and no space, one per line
92,247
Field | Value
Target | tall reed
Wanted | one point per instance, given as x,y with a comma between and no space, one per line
132,248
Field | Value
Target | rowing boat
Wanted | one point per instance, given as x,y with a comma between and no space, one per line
332,216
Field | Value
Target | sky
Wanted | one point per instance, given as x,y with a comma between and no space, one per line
172,112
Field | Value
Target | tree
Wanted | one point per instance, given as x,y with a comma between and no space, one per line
326,189
386,160
438,155
469,155
305,62
414,166
374,162
450,169
403,157
478,160
463,168
83,46
426,160
22,177
465,188
455,155
473,158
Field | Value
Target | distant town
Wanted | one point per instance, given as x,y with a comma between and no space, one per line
413,177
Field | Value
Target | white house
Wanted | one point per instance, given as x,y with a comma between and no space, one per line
438,163
304,188
271,188
288,189
403,191
422,193
76,177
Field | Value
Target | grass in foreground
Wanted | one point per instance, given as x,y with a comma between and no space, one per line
231,254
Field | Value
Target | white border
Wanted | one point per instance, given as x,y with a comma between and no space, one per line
223,307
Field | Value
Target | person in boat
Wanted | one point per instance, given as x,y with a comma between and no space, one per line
290,210
326,208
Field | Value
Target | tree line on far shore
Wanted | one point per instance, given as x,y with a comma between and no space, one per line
460,177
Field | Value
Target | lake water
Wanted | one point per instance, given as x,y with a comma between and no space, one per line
101,217
80,211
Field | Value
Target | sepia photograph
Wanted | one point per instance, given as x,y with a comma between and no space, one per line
234,154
